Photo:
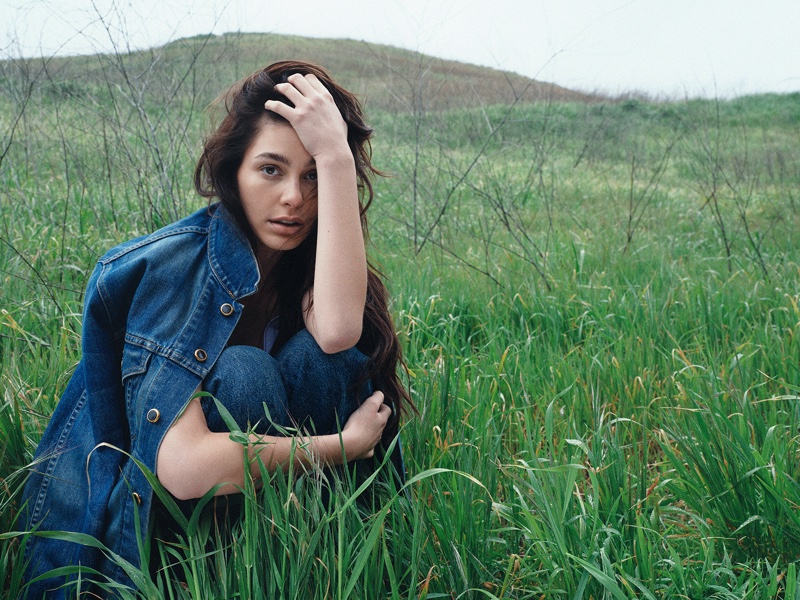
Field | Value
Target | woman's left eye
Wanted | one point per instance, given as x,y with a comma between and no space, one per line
312,176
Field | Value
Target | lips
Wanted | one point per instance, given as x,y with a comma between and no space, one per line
287,220
286,225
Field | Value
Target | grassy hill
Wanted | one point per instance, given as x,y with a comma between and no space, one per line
386,77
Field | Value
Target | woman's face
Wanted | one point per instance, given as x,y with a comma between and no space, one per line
278,188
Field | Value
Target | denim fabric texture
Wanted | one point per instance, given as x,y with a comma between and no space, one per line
250,383
158,313
247,382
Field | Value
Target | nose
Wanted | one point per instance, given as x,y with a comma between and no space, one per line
292,194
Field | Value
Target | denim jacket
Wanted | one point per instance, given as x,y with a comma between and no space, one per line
158,312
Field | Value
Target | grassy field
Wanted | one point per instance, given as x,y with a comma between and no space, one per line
599,302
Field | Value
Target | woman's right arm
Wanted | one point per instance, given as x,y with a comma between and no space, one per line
192,459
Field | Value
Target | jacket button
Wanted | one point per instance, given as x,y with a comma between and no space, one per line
201,355
137,498
153,415
226,310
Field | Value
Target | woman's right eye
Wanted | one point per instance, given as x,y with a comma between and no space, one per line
269,170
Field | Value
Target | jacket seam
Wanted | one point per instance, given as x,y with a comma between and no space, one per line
154,237
171,354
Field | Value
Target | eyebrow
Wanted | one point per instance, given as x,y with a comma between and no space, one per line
281,158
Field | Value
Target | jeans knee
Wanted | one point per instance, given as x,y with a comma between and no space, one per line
323,389
302,349
244,380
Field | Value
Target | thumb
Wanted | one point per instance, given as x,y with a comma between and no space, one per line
376,398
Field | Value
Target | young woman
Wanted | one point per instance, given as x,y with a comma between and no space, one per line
263,299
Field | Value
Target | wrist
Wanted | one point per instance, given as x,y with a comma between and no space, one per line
348,448
335,158
326,449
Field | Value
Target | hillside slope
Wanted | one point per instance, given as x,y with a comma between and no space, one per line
386,77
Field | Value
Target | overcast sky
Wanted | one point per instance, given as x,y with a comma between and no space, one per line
661,47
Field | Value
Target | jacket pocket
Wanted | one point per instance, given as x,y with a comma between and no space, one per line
135,361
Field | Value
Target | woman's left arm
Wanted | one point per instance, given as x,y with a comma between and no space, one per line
335,315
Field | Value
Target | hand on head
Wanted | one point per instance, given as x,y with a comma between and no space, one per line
315,117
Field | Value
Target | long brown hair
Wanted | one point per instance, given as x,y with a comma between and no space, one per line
215,178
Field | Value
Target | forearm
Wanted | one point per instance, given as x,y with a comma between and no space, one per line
340,277
218,461
299,451
336,313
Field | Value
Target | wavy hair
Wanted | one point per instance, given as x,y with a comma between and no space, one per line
215,178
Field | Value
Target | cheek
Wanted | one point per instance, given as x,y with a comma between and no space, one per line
248,192
241,188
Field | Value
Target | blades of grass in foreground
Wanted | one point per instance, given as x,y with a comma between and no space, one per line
746,493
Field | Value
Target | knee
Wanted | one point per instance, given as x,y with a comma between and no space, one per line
320,384
244,380
301,343
242,366
303,348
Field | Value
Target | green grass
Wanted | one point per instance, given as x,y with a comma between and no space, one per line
597,418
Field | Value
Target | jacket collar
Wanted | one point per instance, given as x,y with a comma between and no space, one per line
230,254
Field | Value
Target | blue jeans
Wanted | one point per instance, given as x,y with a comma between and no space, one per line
301,387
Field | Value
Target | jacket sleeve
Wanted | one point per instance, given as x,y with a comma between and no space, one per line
103,336
66,490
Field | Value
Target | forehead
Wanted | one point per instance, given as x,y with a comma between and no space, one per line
277,139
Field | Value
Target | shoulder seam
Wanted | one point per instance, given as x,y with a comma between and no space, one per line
154,237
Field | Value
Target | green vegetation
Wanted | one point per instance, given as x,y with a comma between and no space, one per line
599,303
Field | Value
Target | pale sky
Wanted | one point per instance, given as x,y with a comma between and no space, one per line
660,47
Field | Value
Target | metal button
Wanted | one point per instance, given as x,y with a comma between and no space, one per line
226,310
137,498
201,355
153,415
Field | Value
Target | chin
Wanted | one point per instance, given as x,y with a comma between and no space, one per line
283,245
